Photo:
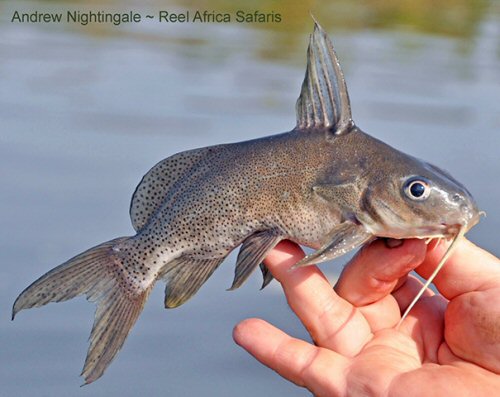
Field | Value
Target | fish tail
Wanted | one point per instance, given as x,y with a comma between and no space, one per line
101,275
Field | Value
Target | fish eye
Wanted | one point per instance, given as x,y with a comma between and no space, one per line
417,189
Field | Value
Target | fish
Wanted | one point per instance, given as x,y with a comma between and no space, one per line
325,184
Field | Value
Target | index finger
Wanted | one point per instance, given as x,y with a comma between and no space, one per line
332,322
375,270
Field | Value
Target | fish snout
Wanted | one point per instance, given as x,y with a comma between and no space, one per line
468,213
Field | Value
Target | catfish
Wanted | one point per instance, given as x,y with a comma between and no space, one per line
326,184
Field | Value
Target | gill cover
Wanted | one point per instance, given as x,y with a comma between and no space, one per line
324,104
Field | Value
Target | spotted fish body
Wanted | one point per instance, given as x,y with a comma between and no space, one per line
325,184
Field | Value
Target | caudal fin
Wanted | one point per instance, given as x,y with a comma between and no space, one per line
97,273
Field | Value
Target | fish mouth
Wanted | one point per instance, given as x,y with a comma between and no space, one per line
442,230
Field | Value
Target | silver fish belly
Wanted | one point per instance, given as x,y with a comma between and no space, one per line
325,184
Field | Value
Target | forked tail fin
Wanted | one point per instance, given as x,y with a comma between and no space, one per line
99,274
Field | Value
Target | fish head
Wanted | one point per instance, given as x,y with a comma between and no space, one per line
413,198
387,191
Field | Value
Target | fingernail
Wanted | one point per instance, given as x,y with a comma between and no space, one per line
393,243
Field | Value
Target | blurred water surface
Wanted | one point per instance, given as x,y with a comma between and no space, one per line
86,111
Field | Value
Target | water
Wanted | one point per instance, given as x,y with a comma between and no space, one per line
85,112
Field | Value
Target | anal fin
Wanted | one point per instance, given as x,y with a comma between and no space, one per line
184,278
252,253
343,238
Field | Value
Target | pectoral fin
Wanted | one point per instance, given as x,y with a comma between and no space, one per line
344,238
252,253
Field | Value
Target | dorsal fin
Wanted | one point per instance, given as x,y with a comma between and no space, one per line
150,192
324,101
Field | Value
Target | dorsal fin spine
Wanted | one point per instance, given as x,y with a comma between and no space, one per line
329,97
324,101
316,94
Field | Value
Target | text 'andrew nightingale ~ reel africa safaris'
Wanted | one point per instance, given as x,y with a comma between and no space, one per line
163,16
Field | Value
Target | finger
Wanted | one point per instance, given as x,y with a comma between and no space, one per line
382,314
469,268
424,324
318,369
332,322
470,279
374,272
405,294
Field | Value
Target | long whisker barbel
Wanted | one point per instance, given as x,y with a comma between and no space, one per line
445,257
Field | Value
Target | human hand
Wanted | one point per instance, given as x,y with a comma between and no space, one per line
449,343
